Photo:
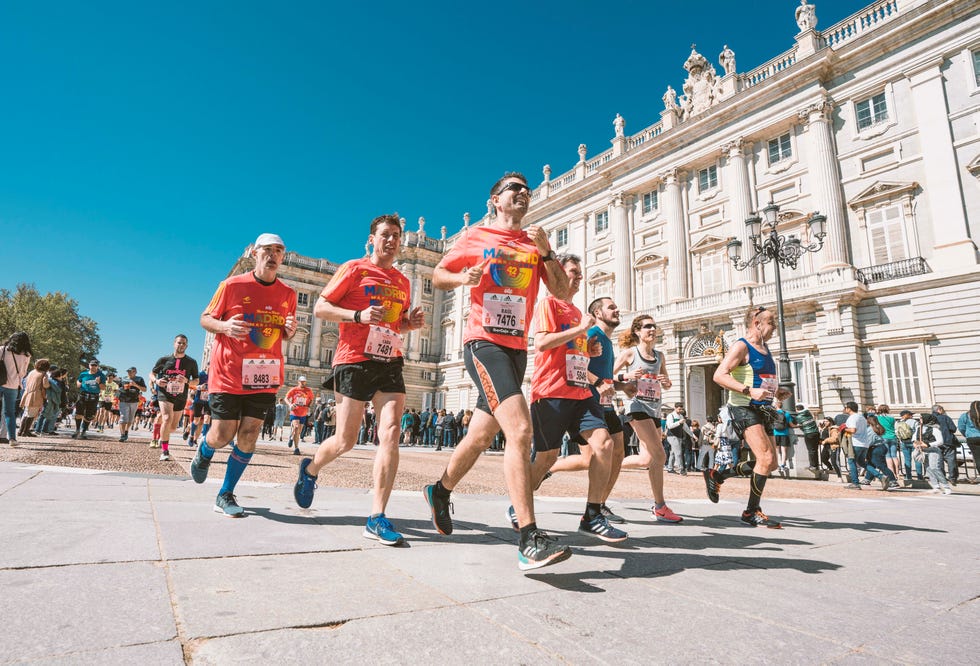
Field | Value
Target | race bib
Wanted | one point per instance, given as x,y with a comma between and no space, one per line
300,401
504,314
648,388
92,384
577,370
260,373
383,344
769,384
174,388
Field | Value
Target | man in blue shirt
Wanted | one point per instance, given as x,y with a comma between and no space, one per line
90,384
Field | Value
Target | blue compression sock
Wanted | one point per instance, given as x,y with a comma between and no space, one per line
237,462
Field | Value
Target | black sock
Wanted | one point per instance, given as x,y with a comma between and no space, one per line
592,509
756,486
441,490
78,426
526,532
84,426
744,468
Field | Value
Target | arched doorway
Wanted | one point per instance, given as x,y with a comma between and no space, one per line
701,358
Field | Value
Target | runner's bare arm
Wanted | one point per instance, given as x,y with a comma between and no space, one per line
443,278
736,356
233,327
328,311
413,320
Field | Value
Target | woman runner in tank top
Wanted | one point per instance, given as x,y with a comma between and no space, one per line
643,367
748,372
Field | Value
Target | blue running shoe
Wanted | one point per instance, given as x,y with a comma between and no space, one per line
305,485
512,517
199,467
540,550
226,505
441,509
601,528
380,528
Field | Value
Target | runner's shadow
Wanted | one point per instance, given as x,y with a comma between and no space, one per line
289,519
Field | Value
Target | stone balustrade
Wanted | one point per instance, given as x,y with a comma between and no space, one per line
867,19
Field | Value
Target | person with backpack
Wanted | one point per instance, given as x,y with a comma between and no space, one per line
930,447
811,436
950,443
906,432
969,425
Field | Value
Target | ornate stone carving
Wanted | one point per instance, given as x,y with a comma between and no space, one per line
702,88
546,171
670,99
421,226
581,152
727,60
734,148
817,111
466,220
619,124
806,16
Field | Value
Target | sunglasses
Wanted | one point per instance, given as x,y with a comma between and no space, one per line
514,187
647,327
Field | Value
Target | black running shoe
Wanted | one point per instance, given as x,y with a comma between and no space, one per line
547,475
759,519
711,485
540,550
600,527
441,510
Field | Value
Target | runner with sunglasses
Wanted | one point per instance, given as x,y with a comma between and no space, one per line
748,371
502,265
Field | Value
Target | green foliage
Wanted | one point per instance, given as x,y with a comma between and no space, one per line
58,332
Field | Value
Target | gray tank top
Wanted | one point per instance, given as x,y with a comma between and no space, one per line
647,399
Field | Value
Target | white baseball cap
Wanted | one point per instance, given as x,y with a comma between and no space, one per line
268,239
302,378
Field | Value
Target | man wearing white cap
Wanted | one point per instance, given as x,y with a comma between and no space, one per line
300,398
250,315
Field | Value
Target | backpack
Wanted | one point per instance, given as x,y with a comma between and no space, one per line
903,431
3,367
779,420
927,435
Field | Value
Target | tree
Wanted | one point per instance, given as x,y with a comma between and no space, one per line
58,332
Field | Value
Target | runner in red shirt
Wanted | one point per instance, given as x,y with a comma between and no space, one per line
250,315
501,264
561,400
371,300
300,398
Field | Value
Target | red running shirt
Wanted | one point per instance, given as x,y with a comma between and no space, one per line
264,310
300,397
356,286
562,371
502,304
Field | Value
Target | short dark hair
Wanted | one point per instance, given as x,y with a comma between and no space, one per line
597,304
678,404
390,218
500,181
851,405
180,335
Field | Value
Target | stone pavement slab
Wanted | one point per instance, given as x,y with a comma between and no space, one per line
123,568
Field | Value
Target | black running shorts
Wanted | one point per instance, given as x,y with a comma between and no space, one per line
360,381
551,417
235,407
744,417
497,372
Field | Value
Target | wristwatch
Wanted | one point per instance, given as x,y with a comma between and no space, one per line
745,390
550,256
597,381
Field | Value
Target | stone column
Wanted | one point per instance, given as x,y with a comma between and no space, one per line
676,237
313,344
741,202
622,254
825,178
953,248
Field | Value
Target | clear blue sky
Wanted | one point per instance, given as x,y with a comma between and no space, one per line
144,145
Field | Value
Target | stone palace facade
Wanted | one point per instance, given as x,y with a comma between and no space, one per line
873,122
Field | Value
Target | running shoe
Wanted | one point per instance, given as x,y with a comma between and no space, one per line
154,444
883,480
199,467
13,443
305,486
600,527
441,509
853,486
540,550
512,517
665,515
381,529
164,456
83,436
296,451
547,475
759,519
192,443
225,504
711,485
124,438
610,516
947,490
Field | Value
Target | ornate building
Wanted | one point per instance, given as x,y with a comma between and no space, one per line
873,122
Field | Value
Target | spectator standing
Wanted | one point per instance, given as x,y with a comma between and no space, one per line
930,443
811,436
48,421
675,439
15,355
780,431
907,432
860,437
877,465
829,446
34,395
950,443
887,422
969,425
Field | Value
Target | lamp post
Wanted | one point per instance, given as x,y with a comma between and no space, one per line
770,246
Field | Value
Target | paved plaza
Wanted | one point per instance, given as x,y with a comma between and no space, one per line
125,568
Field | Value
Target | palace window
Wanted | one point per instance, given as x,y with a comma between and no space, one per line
649,281
871,111
302,299
427,286
902,376
976,67
713,271
707,178
601,221
651,202
561,237
886,234
780,149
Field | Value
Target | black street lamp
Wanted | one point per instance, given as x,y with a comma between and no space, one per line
770,246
